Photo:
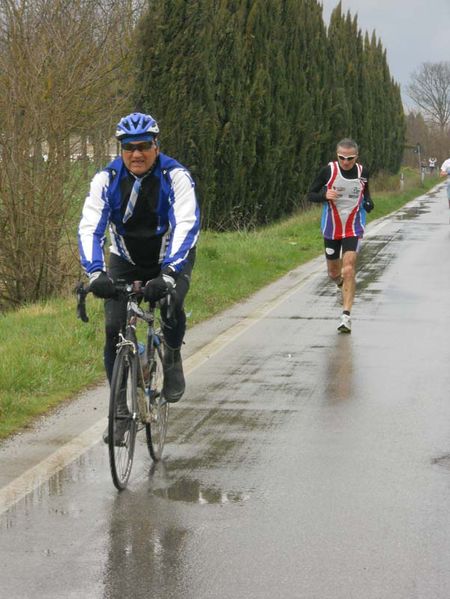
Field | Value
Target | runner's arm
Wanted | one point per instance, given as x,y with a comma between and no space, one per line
367,200
318,188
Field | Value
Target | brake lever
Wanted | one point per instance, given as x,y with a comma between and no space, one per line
81,292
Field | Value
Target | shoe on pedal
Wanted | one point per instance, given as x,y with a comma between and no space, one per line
345,324
120,428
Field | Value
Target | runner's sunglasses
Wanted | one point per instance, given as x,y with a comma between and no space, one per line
346,157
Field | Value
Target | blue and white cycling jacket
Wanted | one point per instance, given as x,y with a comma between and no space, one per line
178,216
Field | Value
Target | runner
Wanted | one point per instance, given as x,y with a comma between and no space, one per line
342,187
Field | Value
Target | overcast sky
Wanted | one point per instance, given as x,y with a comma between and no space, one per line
411,31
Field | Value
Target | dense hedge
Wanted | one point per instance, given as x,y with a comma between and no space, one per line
252,96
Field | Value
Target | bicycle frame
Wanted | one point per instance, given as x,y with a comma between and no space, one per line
136,400
153,340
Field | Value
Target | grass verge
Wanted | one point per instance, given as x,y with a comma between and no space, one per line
47,355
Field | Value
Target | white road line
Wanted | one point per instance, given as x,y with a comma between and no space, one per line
39,474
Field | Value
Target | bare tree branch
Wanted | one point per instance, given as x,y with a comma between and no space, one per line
430,91
65,76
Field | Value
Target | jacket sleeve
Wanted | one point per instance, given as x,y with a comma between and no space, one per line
365,176
184,219
94,220
318,187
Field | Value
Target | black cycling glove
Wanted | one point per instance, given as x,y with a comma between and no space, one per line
158,288
102,286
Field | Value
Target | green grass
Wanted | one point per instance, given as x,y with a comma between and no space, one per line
47,355
231,266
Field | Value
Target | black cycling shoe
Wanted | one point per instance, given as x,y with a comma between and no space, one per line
174,383
120,428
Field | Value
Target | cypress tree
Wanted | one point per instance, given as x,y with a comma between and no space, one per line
252,95
176,83
384,120
230,102
310,98
338,49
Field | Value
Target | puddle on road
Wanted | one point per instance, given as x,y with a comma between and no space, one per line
192,491
412,212
443,460
195,470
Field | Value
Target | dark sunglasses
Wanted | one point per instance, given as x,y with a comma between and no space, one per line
346,157
142,147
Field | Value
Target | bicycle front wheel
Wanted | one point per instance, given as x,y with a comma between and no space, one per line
156,429
122,424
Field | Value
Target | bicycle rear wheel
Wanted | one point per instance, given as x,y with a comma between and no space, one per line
122,424
156,429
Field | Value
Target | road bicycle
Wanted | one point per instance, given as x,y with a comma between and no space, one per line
136,398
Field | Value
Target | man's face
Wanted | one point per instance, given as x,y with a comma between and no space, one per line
139,156
346,157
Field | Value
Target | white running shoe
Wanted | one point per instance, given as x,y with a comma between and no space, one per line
345,324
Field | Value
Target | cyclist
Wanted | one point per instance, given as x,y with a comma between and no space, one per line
342,186
445,172
148,201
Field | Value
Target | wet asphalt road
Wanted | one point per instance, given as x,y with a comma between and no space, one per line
301,463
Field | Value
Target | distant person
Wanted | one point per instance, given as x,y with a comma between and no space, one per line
432,165
342,187
148,201
445,172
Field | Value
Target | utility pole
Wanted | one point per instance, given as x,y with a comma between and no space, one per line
418,151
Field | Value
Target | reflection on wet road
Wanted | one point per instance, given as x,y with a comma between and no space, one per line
301,464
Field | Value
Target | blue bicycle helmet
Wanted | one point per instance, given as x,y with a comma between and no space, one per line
136,127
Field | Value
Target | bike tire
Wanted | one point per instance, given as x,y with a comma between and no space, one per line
122,424
156,429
